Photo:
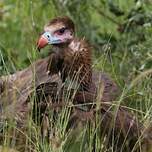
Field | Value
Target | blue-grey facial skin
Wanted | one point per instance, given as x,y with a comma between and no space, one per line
51,39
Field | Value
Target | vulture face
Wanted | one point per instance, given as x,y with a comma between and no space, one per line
58,31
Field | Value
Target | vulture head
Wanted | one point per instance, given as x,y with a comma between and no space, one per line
59,30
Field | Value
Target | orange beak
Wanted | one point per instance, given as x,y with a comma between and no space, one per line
42,42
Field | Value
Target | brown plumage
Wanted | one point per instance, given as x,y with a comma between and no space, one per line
71,56
65,20
74,62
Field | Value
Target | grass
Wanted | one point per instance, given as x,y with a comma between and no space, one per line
130,66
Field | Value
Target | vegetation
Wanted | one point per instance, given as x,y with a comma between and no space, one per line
120,33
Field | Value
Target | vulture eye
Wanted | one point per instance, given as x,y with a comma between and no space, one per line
61,31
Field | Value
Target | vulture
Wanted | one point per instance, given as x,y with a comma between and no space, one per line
71,57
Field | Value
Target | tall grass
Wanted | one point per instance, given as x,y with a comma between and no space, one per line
20,25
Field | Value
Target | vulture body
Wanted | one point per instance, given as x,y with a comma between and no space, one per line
73,61
72,57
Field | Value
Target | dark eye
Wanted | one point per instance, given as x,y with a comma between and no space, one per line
61,31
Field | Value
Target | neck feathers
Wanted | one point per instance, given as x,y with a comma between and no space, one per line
77,61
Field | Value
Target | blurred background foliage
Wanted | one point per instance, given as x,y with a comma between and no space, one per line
119,31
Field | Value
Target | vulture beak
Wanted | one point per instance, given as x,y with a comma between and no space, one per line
45,39
42,42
